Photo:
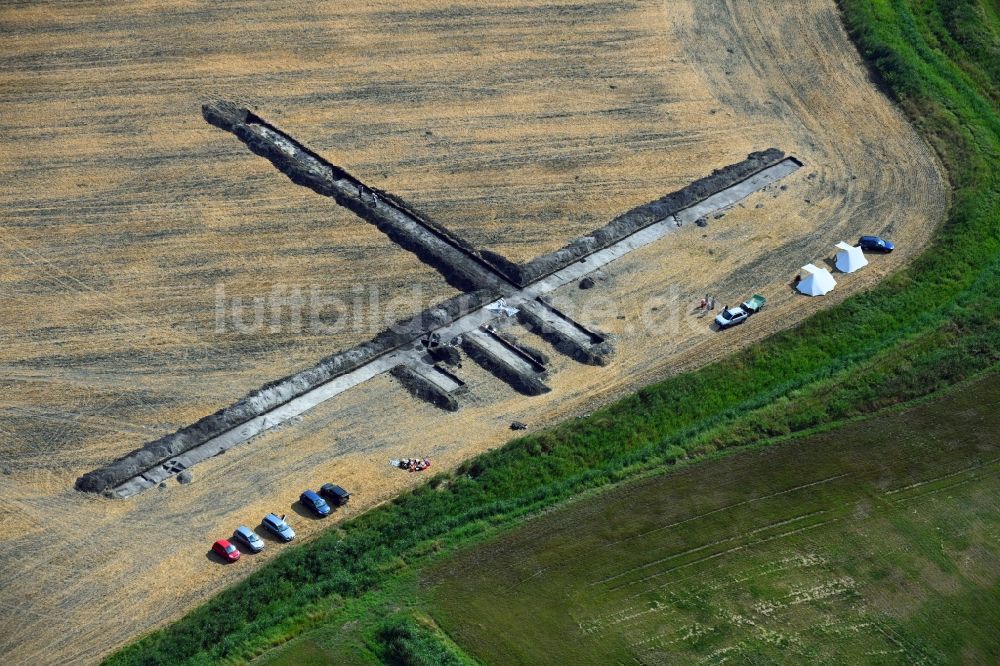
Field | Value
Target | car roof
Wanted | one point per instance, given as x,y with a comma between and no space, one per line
311,495
222,542
871,238
272,518
244,530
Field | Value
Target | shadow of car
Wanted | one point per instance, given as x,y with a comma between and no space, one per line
304,511
215,558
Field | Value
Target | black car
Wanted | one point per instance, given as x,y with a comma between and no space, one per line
335,494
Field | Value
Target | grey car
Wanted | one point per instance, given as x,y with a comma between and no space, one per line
247,537
278,527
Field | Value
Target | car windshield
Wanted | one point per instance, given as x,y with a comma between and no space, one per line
726,314
230,548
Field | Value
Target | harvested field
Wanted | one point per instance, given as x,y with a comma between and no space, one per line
519,127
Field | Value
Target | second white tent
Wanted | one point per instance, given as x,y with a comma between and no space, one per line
849,258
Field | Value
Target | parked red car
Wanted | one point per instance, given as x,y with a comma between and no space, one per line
226,550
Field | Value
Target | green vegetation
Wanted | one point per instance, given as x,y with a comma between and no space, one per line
834,548
923,329
403,640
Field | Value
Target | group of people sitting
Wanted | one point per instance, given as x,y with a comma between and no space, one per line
414,464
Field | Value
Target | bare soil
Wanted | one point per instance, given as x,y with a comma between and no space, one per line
519,126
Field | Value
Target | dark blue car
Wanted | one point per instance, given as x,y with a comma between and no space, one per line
875,244
314,503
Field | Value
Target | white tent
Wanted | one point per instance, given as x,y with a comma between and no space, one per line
815,281
849,258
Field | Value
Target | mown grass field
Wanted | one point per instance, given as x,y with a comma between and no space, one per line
876,542
928,327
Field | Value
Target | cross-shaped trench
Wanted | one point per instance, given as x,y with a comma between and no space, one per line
463,321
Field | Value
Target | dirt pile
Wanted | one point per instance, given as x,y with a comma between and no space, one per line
459,263
642,216
420,387
588,347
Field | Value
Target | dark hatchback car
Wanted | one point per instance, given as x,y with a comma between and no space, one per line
335,494
314,503
875,244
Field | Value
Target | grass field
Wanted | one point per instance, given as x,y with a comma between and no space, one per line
874,543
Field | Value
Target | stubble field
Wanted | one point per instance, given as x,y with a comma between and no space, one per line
519,127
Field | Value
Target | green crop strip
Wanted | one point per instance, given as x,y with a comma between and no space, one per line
929,326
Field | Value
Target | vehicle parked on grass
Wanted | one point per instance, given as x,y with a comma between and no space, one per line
248,538
875,244
278,527
314,503
335,494
226,550
740,313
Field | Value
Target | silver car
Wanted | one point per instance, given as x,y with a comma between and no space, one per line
247,537
278,527
731,317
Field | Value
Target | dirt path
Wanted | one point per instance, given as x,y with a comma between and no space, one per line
521,126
